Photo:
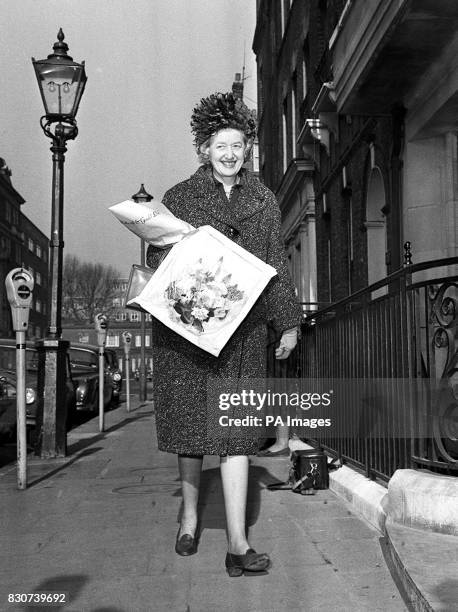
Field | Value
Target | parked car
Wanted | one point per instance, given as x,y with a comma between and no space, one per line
115,373
149,375
7,404
84,363
8,383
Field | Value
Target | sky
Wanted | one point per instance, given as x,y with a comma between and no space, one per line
148,62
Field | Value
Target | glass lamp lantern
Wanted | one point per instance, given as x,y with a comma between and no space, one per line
61,82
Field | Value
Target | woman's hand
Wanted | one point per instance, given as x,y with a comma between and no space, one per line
287,343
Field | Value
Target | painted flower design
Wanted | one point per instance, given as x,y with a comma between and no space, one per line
205,293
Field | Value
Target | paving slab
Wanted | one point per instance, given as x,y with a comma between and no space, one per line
101,524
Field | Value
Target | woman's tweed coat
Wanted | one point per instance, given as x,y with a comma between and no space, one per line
181,369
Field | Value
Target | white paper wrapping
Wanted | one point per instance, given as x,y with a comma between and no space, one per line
205,287
152,222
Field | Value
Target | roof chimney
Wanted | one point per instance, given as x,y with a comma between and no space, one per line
237,86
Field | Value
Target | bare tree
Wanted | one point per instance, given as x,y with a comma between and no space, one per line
88,288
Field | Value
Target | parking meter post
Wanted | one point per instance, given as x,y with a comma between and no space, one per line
19,285
101,326
101,389
21,412
128,383
127,340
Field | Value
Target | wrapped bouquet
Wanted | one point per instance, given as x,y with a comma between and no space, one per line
205,286
154,223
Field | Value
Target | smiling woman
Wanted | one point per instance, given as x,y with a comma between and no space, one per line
224,195
226,151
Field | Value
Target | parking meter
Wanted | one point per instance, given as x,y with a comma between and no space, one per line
127,341
101,326
19,285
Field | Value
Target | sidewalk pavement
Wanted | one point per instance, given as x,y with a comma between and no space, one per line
100,526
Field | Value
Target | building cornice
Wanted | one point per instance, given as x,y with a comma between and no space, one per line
299,223
298,169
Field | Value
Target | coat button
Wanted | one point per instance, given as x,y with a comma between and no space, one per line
233,232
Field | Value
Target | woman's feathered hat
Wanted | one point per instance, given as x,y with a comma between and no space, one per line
218,112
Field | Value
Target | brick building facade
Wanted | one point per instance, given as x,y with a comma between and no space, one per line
358,135
21,244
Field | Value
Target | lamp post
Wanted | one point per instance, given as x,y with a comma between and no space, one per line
142,196
61,82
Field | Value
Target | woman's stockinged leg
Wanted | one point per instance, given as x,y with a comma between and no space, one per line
234,477
190,470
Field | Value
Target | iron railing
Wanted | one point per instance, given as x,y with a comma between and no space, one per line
402,327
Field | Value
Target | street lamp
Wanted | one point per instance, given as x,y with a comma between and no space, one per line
61,82
142,196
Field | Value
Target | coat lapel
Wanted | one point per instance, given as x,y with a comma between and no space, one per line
250,201
207,198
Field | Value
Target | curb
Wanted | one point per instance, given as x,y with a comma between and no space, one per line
416,599
365,495
422,559
422,500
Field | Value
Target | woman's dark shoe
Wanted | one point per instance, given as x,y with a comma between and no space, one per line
186,545
251,563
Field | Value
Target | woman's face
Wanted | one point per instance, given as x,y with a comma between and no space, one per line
226,153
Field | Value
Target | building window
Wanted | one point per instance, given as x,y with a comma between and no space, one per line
120,285
305,60
135,316
38,250
285,134
31,245
113,340
285,7
38,278
148,317
260,90
297,270
121,316
7,212
255,156
138,340
293,115
38,305
5,247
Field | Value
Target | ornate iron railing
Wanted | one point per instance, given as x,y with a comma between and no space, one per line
404,326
